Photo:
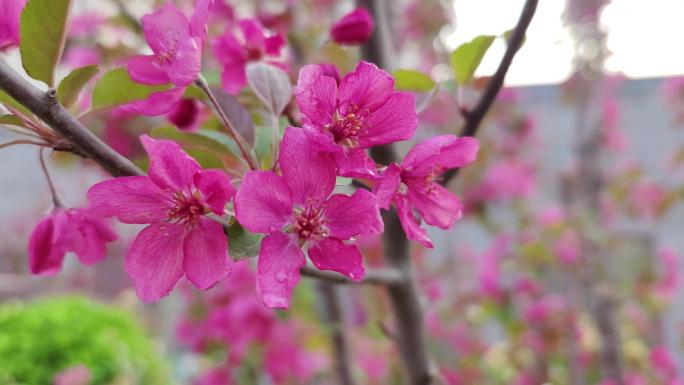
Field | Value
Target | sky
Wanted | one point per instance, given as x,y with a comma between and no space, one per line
643,36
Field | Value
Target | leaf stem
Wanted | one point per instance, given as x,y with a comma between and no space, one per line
55,197
245,150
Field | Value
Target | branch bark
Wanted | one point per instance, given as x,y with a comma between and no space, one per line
45,106
476,115
382,276
332,314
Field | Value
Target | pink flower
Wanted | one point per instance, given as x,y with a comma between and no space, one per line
177,44
286,361
364,111
414,184
63,230
10,11
567,247
250,43
216,376
356,27
173,199
662,360
75,375
186,114
297,209
669,277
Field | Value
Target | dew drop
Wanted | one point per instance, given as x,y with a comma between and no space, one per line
280,276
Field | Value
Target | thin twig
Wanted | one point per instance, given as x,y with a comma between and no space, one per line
378,276
245,150
22,141
55,197
473,118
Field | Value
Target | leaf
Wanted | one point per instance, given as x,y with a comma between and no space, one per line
410,80
271,85
209,140
116,88
238,116
241,243
342,181
70,87
43,30
12,104
206,159
467,57
11,120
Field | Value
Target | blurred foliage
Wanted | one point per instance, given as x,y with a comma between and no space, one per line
39,340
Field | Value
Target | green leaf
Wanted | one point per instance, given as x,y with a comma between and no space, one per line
70,87
342,181
209,140
206,159
116,88
467,57
410,80
12,104
43,34
271,85
11,120
241,243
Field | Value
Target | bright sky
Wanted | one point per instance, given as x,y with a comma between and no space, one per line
644,37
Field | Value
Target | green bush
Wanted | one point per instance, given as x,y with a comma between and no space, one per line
40,339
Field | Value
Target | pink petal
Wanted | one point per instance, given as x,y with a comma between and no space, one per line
408,221
90,236
447,151
368,87
231,56
253,33
206,254
44,257
348,216
386,186
316,95
216,188
187,63
198,22
309,172
438,207
355,163
170,167
394,121
146,70
355,27
165,29
233,77
333,254
263,203
280,259
158,103
273,44
155,260
133,199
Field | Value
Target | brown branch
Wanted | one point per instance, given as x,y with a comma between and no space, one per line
378,276
45,106
332,314
474,117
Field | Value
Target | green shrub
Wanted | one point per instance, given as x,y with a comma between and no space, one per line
40,339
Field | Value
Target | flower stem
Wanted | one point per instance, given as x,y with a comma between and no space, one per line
55,197
274,144
245,150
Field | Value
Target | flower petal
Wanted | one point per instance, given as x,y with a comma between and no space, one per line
394,121
187,63
438,207
386,186
145,69
155,260
231,56
206,254
368,87
216,188
310,173
170,167
280,259
198,21
263,203
355,163
132,199
90,236
316,94
445,151
158,103
44,257
165,28
408,221
348,216
333,254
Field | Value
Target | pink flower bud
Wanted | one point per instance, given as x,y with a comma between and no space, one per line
353,28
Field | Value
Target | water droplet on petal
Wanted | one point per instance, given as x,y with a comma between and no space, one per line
280,276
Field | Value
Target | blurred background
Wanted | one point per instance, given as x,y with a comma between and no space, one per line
565,266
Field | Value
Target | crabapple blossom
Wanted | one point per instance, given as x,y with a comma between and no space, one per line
234,50
174,200
413,185
10,11
63,230
297,209
177,44
362,112
353,28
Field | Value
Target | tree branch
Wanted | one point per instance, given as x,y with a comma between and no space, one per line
380,276
332,314
515,41
45,106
